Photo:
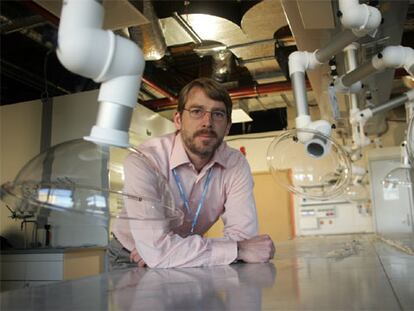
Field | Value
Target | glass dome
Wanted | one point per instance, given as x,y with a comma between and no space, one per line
357,193
88,179
318,170
399,176
403,174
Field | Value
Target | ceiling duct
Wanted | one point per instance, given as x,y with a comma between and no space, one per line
222,65
284,46
232,10
149,36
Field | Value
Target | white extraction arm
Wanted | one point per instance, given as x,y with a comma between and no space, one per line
359,139
390,57
118,63
360,20
364,115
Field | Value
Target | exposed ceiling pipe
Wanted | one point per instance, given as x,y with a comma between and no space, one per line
222,65
160,90
187,28
243,62
9,26
237,93
149,36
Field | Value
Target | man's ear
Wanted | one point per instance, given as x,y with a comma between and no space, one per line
177,120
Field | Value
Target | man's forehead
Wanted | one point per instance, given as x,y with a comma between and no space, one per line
197,93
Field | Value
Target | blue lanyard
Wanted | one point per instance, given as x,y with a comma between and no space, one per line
185,200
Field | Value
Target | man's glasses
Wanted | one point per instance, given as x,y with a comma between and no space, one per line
198,113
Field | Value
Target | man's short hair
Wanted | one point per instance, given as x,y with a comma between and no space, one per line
212,89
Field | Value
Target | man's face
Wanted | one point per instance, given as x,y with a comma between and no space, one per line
202,136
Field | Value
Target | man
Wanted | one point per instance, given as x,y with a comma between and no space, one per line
208,180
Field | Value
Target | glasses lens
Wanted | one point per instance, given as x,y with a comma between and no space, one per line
218,115
198,113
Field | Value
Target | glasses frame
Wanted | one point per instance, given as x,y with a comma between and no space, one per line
215,117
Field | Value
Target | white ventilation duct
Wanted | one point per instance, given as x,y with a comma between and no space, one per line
301,61
85,49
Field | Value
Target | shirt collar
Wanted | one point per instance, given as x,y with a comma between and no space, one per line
179,155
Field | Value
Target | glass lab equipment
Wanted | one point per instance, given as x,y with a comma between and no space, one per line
303,173
83,178
401,175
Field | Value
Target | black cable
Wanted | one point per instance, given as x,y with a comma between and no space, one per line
45,94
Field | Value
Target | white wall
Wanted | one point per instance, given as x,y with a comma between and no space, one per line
256,146
20,141
73,116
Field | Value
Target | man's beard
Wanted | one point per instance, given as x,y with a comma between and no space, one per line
204,151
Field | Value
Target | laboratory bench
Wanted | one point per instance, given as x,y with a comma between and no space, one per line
20,268
353,272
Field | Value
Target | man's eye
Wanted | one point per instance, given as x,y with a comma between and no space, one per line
218,114
196,111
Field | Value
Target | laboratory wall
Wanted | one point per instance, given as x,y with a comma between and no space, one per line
73,115
283,207
20,128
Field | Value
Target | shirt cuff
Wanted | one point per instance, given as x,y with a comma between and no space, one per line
224,252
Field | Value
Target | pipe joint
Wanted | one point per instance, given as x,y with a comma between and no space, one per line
362,116
394,57
316,145
362,19
300,61
86,49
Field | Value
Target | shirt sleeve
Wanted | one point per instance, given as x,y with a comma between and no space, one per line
240,216
150,227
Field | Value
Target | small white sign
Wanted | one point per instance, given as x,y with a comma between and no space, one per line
391,192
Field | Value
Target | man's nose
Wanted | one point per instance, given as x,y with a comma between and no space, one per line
207,118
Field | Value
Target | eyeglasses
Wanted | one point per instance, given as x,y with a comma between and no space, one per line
198,113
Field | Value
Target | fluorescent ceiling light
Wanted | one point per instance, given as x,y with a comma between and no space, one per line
239,115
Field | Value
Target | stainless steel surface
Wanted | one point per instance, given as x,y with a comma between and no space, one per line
354,272
47,250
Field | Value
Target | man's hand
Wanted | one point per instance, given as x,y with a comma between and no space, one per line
257,249
135,257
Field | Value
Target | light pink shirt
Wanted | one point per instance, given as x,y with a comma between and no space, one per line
229,196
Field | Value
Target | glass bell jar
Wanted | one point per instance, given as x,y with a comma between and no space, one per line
309,164
83,178
403,174
357,192
400,176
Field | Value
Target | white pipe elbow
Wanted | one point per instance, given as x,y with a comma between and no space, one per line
78,55
395,57
85,49
363,115
300,61
316,145
362,19
102,60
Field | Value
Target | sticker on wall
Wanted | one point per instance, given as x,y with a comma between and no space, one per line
390,192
